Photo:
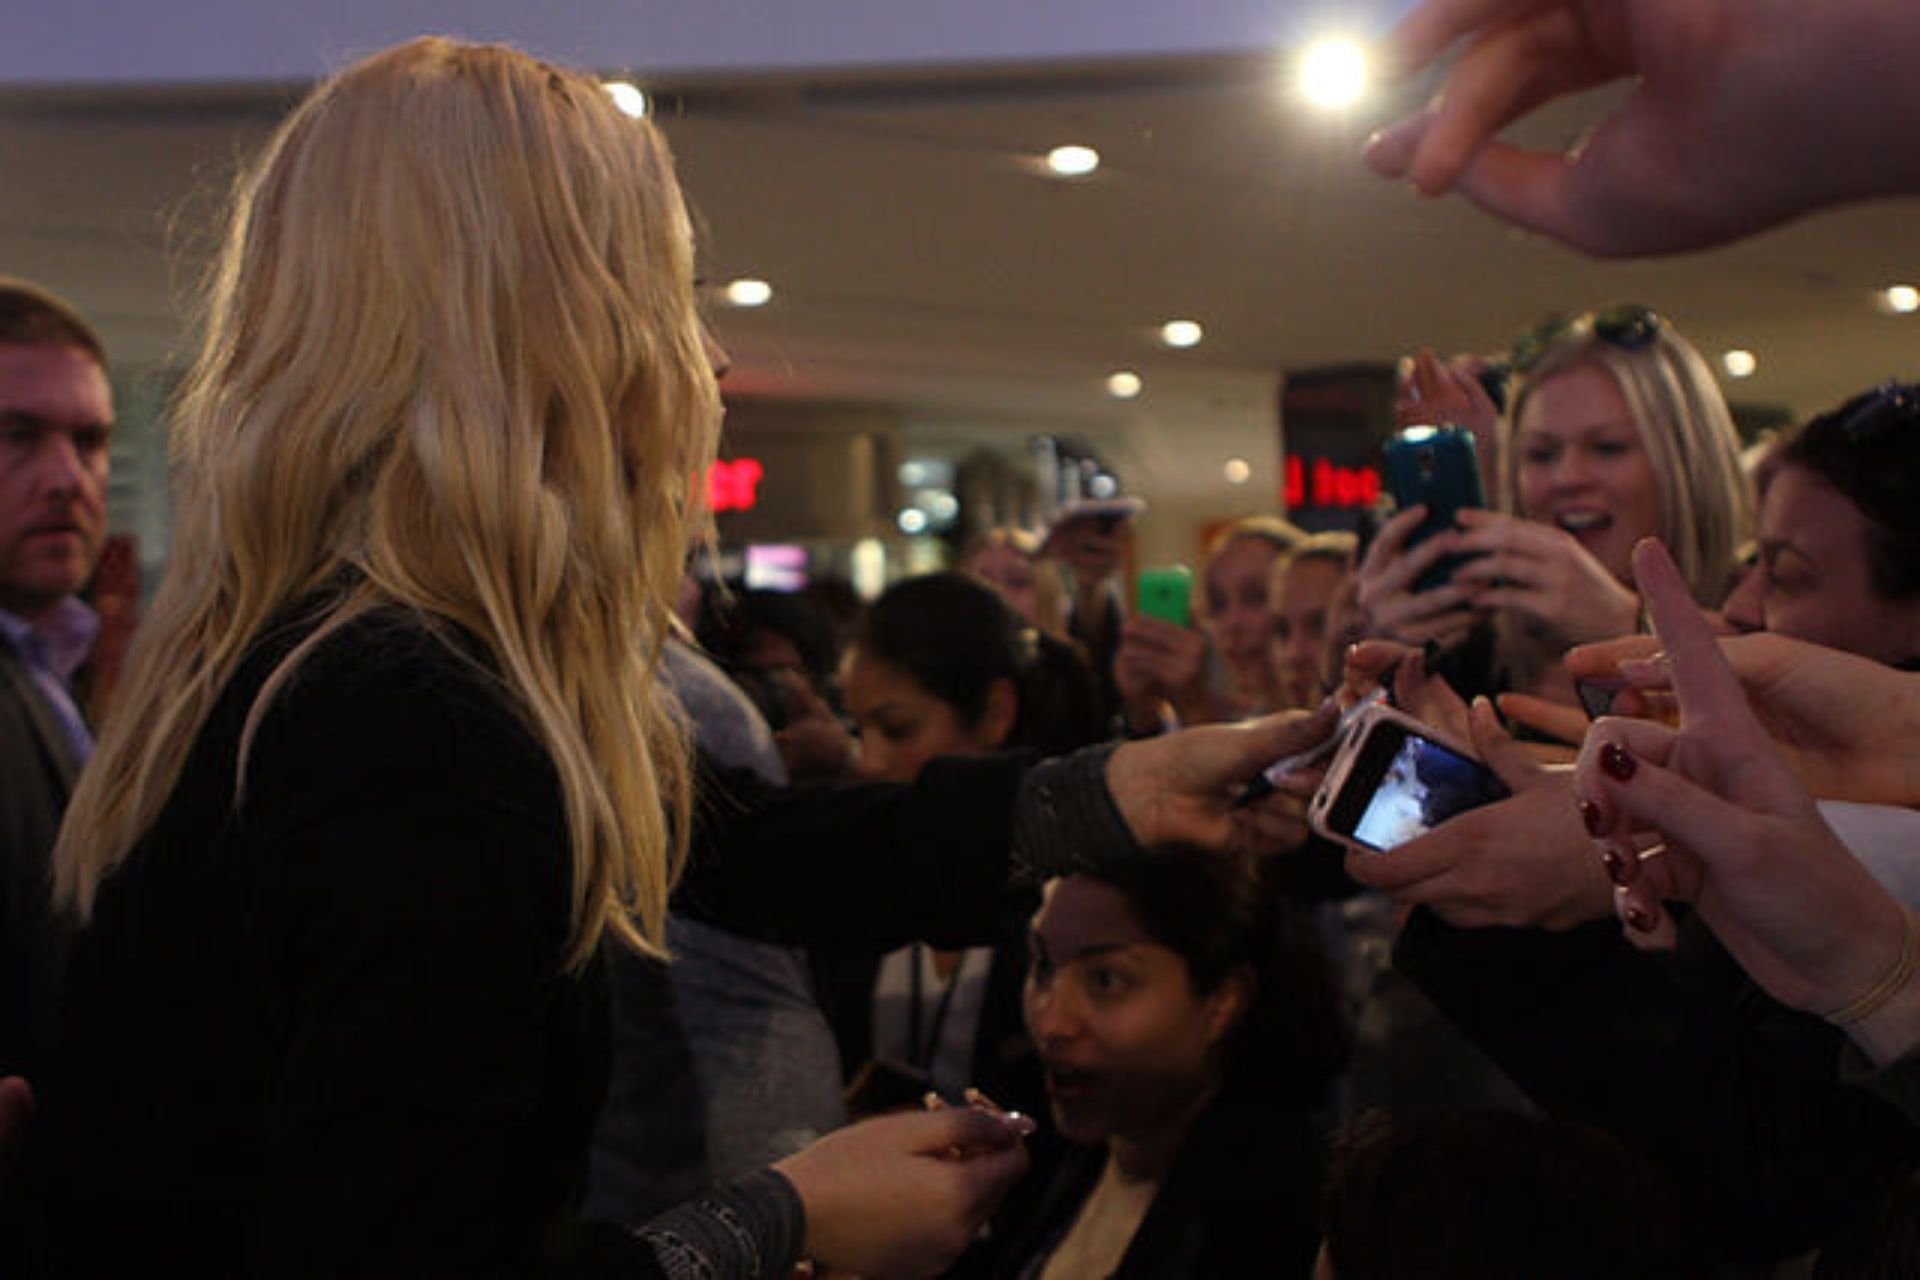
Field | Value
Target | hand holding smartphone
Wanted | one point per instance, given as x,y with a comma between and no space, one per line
1166,594
1394,779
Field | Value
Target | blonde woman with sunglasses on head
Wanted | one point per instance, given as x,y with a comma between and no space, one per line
1616,432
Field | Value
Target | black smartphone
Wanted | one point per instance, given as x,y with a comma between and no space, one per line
1393,779
1597,694
1437,467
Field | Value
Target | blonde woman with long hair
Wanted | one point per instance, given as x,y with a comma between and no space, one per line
388,764
1617,431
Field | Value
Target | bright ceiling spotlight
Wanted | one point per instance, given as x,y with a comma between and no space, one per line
748,293
1333,73
627,96
1181,333
1237,471
1073,161
1900,299
1124,384
1739,363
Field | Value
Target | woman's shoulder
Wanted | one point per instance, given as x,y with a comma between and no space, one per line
388,708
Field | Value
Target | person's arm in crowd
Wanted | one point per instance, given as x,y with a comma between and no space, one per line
879,864
1745,842
1746,113
1740,1100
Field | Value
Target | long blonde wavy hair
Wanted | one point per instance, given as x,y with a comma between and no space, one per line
452,363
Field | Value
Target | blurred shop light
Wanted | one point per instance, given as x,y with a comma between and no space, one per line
748,293
1102,485
1237,471
628,97
1073,161
1739,363
941,507
868,567
1181,333
912,521
1333,73
1900,299
735,485
1124,384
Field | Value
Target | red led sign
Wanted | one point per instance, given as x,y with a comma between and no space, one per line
1320,483
735,486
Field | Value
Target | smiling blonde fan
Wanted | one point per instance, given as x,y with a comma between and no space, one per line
1701,501
452,365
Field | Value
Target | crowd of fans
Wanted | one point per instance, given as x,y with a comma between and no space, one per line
437,900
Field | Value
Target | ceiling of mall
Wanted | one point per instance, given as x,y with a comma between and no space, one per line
921,263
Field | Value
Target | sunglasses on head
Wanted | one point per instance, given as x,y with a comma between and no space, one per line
1889,406
1628,326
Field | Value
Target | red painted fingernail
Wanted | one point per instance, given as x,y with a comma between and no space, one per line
1591,814
1615,760
1640,920
1616,865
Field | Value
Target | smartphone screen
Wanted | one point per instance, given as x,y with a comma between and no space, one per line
1403,785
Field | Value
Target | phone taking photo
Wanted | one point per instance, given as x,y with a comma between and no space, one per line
1439,468
1393,779
1166,594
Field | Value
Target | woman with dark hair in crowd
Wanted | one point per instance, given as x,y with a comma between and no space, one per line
1837,539
942,666
1189,1029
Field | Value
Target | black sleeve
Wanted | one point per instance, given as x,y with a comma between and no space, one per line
877,865
1736,1097
854,864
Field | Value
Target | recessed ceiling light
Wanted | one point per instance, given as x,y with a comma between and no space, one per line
1900,299
912,521
1739,363
1073,161
1333,73
1237,471
1181,333
748,293
628,97
1124,384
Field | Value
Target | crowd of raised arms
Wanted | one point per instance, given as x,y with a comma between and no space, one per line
453,884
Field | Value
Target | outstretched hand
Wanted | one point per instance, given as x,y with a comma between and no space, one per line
1849,726
1183,788
1743,840
904,1195
1727,130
